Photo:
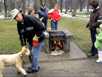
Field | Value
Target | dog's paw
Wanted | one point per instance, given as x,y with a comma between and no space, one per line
19,73
25,75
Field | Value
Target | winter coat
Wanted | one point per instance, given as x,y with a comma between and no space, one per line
54,15
98,43
28,28
43,13
95,15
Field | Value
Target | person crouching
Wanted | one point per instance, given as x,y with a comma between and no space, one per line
30,29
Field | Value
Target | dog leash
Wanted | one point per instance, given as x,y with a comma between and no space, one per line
21,56
22,59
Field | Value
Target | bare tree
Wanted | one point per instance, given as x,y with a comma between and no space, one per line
67,5
28,3
23,6
45,1
61,6
51,4
75,8
1,6
13,4
9,5
36,6
81,5
88,5
5,7
71,6
42,1
100,3
55,2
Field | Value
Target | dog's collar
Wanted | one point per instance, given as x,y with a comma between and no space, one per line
21,56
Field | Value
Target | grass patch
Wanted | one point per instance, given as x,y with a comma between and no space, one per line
9,39
10,43
84,12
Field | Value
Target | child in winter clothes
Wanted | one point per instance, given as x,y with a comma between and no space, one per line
55,16
98,44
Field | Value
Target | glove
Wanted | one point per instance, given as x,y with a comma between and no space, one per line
35,38
35,41
23,50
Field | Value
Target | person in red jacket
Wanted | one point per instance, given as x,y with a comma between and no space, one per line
55,16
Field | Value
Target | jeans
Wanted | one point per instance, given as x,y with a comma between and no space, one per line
35,54
45,24
93,38
30,48
54,25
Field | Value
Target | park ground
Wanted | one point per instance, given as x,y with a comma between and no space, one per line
80,67
9,42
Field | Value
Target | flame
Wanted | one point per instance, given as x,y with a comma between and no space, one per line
59,43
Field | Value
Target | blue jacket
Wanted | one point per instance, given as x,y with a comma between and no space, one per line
43,13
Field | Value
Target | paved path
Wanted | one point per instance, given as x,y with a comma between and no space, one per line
69,68
59,66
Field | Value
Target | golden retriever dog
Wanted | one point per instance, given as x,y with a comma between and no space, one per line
13,59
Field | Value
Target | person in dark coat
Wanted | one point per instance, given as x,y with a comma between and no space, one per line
93,24
30,29
43,14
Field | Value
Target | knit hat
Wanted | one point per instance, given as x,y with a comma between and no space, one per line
43,4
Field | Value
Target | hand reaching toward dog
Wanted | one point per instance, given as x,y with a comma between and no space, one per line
23,50
35,38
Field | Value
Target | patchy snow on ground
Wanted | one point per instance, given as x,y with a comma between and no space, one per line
65,15
2,17
81,17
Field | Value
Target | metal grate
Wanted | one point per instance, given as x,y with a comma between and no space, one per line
58,36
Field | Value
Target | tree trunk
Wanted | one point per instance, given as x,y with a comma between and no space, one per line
75,8
67,5
45,1
61,6
23,7
13,4
88,5
51,4
71,6
55,2
41,1
36,6
28,3
81,5
1,6
9,5
100,3
5,7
